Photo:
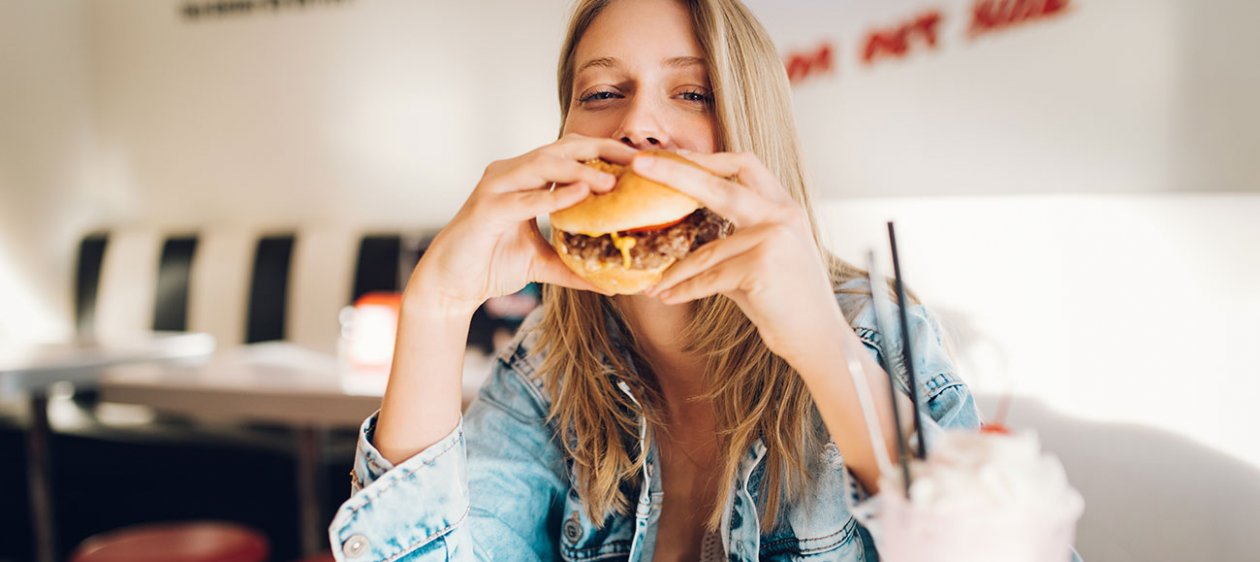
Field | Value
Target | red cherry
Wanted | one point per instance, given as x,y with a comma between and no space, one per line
995,428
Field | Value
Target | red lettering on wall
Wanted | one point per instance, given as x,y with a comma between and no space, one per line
801,65
992,15
898,41
921,33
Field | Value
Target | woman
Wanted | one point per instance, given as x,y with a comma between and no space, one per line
714,415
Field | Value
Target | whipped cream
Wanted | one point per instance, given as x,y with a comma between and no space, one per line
979,497
969,471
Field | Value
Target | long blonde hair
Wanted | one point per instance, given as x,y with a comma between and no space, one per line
755,393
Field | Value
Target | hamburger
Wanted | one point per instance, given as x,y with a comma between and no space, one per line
622,241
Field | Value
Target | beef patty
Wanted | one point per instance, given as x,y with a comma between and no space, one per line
652,248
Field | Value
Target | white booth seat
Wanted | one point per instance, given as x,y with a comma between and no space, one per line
220,282
322,270
321,284
128,282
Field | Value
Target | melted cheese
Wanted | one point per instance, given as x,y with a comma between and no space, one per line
624,245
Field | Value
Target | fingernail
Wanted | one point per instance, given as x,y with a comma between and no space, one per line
643,162
684,151
663,296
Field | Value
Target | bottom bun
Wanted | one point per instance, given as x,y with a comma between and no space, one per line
612,279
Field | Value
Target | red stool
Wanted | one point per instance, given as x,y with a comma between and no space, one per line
193,541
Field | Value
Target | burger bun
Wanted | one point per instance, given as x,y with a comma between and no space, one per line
635,202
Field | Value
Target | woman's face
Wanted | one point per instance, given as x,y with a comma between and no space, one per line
641,78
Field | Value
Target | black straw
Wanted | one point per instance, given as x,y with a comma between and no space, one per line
903,450
906,356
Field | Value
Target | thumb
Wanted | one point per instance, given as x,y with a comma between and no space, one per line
549,269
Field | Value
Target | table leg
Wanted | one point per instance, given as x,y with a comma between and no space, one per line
310,484
39,478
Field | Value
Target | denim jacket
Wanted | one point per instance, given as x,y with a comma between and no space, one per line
498,487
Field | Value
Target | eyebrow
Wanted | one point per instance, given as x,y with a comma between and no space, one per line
601,62
611,62
684,62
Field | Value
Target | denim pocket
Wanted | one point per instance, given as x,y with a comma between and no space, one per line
581,540
818,526
842,543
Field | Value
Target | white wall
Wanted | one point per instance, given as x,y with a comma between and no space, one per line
1108,308
1124,326
389,109
46,196
381,110
1114,96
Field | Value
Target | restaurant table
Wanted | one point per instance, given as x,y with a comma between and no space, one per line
30,370
277,383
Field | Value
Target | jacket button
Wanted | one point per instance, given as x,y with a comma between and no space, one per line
356,546
572,529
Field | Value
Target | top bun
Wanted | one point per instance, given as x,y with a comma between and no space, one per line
636,202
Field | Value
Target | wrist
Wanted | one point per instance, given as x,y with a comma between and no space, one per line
430,298
824,346
433,307
826,361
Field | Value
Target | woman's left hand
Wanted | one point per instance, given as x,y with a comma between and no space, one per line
770,266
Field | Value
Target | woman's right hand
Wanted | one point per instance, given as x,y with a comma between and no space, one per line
493,246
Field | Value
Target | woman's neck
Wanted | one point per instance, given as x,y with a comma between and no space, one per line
658,330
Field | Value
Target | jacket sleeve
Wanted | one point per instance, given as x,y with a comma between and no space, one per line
945,401
487,491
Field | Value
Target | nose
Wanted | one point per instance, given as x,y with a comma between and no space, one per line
641,140
642,128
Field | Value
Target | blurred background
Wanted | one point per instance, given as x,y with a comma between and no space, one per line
1075,183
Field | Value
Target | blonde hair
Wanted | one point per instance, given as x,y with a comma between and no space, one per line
754,392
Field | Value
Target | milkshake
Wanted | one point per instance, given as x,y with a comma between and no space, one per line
979,497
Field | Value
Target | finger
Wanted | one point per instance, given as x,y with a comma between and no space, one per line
740,205
582,148
745,168
540,171
530,204
725,278
549,269
709,256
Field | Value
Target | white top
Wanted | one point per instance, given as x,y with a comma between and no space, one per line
711,548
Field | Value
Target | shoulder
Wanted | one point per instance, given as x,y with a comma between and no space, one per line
858,304
879,329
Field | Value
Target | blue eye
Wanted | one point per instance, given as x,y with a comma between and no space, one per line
697,97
